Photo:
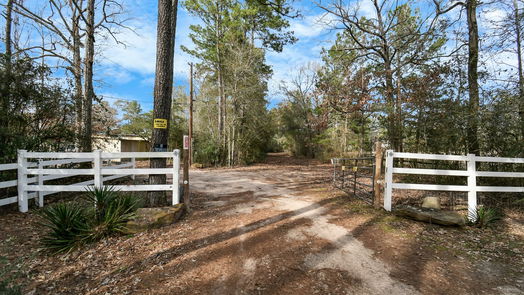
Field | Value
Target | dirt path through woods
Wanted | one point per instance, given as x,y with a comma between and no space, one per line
296,220
274,228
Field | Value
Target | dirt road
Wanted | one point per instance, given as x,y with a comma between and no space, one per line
273,228
285,240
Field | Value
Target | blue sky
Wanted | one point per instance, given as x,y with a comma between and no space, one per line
127,72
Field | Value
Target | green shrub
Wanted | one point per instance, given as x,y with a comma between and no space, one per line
67,223
110,213
486,216
104,212
207,151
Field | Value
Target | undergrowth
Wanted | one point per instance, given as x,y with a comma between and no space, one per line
101,212
5,289
486,216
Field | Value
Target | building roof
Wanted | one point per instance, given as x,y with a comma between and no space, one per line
121,137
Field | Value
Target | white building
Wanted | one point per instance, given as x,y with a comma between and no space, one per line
123,143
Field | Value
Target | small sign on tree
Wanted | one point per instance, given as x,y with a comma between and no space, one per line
160,123
186,142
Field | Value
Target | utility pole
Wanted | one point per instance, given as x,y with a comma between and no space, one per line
185,159
187,142
190,129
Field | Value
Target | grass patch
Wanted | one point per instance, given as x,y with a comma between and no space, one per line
393,224
6,289
359,207
8,273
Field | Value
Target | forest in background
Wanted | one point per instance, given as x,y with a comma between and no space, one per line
421,78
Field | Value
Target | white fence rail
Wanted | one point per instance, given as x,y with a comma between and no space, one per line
39,178
471,173
31,175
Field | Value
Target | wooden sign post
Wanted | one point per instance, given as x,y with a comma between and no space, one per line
186,145
190,125
377,179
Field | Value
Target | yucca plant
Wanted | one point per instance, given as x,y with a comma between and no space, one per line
110,211
66,223
98,199
486,216
103,212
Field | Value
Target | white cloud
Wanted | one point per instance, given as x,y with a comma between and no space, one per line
491,18
112,97
312,25
503,64
286,63
139,53
119,76
366,8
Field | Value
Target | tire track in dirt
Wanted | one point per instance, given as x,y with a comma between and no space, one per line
346,253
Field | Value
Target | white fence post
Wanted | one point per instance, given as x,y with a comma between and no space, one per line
388,179
472,187
97,167
40,183
133,162
22,181
176,177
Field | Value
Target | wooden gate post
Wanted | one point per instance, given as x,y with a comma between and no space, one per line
355,176
377,177
185,159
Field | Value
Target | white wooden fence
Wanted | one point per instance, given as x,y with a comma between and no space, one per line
471,173
32,174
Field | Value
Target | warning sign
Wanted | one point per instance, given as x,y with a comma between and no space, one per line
355,169
186,142
160,124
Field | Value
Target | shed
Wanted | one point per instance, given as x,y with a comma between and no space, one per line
120,143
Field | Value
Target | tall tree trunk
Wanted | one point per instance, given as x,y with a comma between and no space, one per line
4,123
233,145
77,74
220,78
8,28
163,90
345,139
473,58
174,10
398,111
519,59
390,105
418,130
362,133
220,101
89,93
393,133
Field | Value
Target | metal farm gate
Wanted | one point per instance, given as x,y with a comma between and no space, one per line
355,176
